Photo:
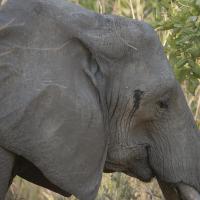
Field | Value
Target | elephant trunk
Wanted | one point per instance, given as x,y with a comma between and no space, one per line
188,193
179,179
179,191
174,150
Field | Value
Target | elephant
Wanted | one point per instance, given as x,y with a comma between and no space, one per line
83,93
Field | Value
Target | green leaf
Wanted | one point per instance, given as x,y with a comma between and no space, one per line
196,70
181,63
181,73
195,51
192,85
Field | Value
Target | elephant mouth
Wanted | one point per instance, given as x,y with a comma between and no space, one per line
131,160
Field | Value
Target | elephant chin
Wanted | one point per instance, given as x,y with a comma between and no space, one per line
179,191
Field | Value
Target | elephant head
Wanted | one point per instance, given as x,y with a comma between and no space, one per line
83,92
151,129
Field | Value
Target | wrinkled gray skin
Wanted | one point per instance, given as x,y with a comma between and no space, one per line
81,93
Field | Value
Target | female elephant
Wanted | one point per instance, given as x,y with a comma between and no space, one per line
81,93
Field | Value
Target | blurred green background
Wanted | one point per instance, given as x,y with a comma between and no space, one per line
177,23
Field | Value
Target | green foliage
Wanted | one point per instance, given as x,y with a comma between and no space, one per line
128,8
180,21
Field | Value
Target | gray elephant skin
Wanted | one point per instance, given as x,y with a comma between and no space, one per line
82,93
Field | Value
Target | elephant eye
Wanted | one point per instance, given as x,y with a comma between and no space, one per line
164,104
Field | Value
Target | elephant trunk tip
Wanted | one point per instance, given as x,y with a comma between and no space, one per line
187,192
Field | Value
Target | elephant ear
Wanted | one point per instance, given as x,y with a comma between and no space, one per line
111,37
109,40
96,33
50,113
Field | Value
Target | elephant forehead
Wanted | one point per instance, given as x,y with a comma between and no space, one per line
147,73
144,51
